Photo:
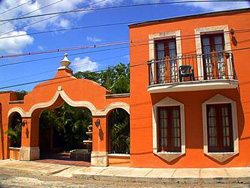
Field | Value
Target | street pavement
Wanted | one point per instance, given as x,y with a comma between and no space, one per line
20,173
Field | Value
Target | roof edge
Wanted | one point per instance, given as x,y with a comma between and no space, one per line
208,14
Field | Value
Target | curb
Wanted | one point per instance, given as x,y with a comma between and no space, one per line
240,180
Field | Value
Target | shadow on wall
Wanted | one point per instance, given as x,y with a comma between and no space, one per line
193,115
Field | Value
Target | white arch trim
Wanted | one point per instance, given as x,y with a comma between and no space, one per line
69,101
64,96
116,105
18,110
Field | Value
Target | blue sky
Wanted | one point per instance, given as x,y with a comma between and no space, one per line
39,70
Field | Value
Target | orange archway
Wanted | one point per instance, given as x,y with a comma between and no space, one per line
64,87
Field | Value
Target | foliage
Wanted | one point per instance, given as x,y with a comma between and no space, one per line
21,94
70,124
116,79
15,131
119,131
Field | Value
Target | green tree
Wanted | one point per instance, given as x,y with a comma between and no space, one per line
70,123
119,131
15,130
116,79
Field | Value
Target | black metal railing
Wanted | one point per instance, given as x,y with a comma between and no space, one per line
217,65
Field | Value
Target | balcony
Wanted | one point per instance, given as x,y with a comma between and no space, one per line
192,73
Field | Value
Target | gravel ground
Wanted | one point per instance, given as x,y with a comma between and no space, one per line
13,178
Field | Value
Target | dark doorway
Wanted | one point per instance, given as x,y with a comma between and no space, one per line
62,133
119,132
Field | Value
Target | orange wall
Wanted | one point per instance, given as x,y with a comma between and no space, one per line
76,90
4,100
141,100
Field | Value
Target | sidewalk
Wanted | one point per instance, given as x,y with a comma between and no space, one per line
183,175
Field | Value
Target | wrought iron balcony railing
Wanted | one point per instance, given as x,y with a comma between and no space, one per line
189,68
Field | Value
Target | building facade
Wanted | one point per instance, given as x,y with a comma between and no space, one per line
188,102
191,109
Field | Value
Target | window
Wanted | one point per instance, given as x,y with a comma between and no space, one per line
219,128
169,129
166,55
213,57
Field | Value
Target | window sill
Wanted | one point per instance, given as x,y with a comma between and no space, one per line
14,148
221,156
118,155
169,156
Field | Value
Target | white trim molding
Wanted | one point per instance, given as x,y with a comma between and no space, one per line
207,30
65,97
220,156
116,105
161,36
18,110
58,93
168,156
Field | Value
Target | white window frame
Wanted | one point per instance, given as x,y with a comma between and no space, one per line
162,36
211,30
221,156
168,102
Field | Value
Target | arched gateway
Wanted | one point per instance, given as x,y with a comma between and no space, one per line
64,87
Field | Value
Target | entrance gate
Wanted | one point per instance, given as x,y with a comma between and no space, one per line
64,87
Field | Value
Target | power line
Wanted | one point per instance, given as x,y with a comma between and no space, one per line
48,71
100,45
38,81
134,65
190,55
82,27
123,6
69,29
46,6
40,20
59,56
15,7
66,49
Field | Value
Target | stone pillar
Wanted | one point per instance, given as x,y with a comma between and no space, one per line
99,155
30,139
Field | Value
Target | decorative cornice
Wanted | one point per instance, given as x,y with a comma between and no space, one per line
65,97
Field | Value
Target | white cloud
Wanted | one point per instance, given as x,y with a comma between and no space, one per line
84,64
15,44
40,23
93,39
219,6
40,47
206,6
64,23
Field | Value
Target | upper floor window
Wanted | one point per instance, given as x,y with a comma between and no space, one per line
214,65
219,128
169,130
166,54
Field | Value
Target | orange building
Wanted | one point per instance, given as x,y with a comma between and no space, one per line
188,101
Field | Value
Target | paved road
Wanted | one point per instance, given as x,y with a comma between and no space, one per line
14,178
